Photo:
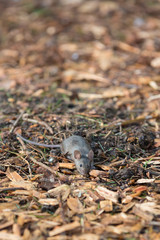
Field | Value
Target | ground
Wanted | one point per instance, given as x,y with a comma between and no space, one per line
90,68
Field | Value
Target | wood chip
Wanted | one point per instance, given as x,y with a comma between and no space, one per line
9,236
63,191
106,205
75,205
49,201
64,228
107,194
142,180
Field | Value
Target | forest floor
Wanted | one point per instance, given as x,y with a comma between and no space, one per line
90,68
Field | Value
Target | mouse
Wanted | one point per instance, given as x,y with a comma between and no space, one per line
76,148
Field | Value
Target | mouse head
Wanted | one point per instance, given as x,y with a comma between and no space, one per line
83,162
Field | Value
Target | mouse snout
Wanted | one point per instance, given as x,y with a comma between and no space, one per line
83,169
85,172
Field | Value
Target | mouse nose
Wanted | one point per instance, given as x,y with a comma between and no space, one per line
85,171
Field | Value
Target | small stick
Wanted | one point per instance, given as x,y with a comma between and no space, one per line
130,122
46,167
22,143
39,122
17,120
30,172
147,158
29,168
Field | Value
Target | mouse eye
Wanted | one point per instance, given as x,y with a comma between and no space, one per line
80,165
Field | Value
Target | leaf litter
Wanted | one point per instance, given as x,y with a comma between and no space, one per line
89,68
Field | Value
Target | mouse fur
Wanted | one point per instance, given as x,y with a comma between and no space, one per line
78,150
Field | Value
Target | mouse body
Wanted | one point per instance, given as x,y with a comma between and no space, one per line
78,150
75,148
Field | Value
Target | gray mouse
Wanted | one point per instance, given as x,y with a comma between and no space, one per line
75,148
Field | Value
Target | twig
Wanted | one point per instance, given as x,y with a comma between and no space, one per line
130,122
116,164
29,168
43,165
90,119
22,143
17,120
106,136
39,122
88,115
147,158
101,146
46,167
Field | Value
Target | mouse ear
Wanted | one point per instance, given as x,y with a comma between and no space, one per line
91,155
77,154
